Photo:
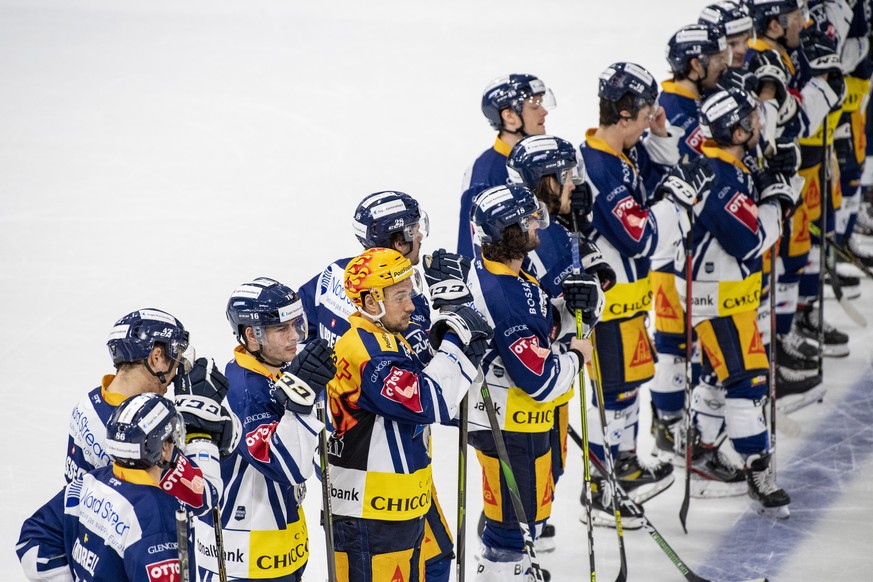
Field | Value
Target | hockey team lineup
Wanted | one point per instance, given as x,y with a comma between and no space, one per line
623,340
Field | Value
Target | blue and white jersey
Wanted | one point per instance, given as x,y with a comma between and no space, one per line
552,260
683,108
487,171
115,524
527,380
328,309
86,448
263,524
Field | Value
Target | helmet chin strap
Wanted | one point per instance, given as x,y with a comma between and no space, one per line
161,376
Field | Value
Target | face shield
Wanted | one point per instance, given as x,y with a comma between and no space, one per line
417,229
572,174
538,219
545,100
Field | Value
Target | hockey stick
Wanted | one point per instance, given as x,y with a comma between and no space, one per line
182,544
219,544
586,472
841,252
610,465
509,476
847,306
650,528
462,493
689,347
771,375
327,511
825,187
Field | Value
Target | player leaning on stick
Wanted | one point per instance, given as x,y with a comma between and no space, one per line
272,390
383,400
525,378
730,234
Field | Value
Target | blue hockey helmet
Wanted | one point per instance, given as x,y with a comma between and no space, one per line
134,336
731,18
138,429
264,302
512,91
694,41
763,11
380,215
537,156
723,112
620,79
501,206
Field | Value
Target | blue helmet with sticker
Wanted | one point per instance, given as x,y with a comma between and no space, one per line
723,112
264,302
537,156
620,79
382,214
512,91
134,336
139,427
694,41
502,206
731,18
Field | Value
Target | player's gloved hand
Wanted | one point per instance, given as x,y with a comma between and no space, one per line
774,187
687,182
786,157
768,68
824,62
305,378
594,264
738,78
446,276
199,397
468,325
582,292
581,205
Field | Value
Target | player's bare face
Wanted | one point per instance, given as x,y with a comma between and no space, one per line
793,27
739,46
398,306
279,345
566,193
533,116
717,64
636,126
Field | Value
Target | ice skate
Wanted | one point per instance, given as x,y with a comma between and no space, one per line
602,514
836,343
794,391
642,482
713,475
797,353
545,543
773,501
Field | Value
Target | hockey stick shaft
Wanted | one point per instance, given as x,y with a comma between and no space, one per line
511,484
182,544
460,545
838,250
689,349
583,397
219,544
771,370
326,508
610,465
825,181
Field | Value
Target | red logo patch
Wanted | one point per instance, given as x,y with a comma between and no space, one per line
744,210
695,140
185,482
401,386
632,216
529,352
166,571
258,441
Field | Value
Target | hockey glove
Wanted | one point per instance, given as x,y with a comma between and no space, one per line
687,182
315,365
198,399
446,274
292,393
776,188
581,205
468,325
786,158
582,292
738,78
594,264
824,61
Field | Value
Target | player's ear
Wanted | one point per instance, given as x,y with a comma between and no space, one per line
510,118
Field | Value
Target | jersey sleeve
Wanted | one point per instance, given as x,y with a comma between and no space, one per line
276,442
198,488
40,546
532,365
392,385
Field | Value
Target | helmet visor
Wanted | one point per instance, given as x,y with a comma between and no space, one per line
573,174
544,100
538,219
418,229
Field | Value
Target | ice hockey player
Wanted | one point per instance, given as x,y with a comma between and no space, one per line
778,25
273,388
730,233
551,169
382,401
147,348
527,381
698,54
735,24
117,522
516,106
391,220
624,170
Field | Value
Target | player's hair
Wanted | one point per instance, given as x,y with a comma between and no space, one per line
610,111
513,245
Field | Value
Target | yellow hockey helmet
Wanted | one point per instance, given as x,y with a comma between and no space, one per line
372,271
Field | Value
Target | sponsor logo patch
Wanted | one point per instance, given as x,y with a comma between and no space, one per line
258,441
529,353
165,571
401,386
632,217
744,210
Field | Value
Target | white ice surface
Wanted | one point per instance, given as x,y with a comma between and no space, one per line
158,153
